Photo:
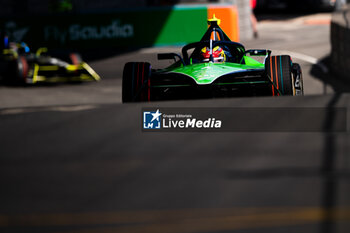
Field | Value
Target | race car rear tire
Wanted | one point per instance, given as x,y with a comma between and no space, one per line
279,71
136,82
22,70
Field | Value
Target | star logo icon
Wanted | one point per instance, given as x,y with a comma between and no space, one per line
156,115
151,119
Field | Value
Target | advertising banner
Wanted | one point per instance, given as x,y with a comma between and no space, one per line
125,28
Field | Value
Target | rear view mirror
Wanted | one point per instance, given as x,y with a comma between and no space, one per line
258,52
168,56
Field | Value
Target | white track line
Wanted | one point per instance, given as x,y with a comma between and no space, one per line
306,58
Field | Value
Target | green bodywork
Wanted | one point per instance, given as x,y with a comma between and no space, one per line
241,63
207,73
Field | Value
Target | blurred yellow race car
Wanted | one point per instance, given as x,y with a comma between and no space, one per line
18,65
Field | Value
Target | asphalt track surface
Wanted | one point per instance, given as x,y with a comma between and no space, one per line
74,159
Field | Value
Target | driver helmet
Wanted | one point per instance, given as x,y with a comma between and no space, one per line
218,54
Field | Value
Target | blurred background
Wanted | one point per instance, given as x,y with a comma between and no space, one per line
73,158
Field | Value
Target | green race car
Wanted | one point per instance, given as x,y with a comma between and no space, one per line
213,67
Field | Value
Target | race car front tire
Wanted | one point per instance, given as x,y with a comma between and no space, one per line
279,71
136,82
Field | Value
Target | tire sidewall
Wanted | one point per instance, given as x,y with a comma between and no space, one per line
136,82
